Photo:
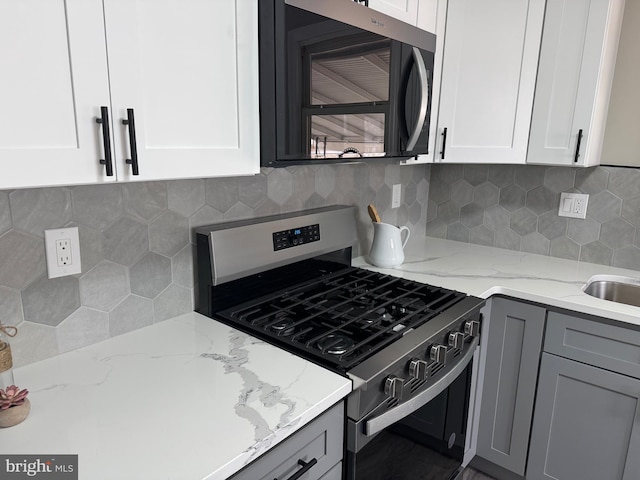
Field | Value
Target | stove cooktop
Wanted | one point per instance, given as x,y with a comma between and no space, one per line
343,318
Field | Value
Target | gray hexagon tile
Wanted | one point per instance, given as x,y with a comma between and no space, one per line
145,201
501,175
475,174
10,306
5,213
132,313
529,176
423,192
50,301
150,275
252,191
37,209
205,216
84,327
239,211
436,229
617,233
439,192
325,181
448,212
458,232
449,173
541,200
627,257
481,235
183,268
524,221
535,243
596,252
22,258
126,241
472,215
34,342
168,233
583,231
623,182
461,192
222,193
105,286
631,211
415,213
497,218
592,180
185,197
174,301
564,247
269,207
508,239
604,206
552,226
97,206
512,197
91,252
559,179
410,193
486,195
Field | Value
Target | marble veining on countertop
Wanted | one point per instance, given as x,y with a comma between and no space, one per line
187,398
485,271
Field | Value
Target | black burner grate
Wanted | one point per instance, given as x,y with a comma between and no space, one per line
341,319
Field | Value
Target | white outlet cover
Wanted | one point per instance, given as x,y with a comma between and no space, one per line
573,205
50,237
396,195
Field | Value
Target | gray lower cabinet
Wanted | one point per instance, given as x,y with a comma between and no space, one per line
320,442
513,348
586,425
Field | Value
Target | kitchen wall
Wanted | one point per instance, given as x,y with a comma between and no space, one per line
137,244
516,207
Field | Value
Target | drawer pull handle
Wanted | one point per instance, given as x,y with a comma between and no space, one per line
306,466
103,121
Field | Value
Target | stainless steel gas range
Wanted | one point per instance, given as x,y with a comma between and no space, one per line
407,346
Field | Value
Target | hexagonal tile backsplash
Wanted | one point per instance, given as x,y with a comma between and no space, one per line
137,243
516,207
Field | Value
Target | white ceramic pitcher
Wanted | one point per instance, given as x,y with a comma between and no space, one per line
387,247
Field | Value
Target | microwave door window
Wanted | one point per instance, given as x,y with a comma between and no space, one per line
346,97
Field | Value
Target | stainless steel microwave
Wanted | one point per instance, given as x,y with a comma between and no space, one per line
340,82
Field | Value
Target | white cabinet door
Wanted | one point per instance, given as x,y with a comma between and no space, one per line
432,17
53,83
189,71
575,75
488,79
405,10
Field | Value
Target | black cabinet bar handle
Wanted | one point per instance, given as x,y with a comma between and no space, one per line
444,142
103,120
306,466
577,155
130,122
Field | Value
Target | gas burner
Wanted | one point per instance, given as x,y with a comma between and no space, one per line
408,304
284,325
334,344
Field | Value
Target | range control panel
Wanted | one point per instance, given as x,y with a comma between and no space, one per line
296,236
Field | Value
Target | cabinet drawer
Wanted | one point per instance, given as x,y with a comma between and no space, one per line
322,439
603,345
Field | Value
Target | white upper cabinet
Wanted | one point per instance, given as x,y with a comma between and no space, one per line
577,60
405,10
488,80
187,70
54,81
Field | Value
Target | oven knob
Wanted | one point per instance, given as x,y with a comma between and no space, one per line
393,386
456,340
438,353
418,369
472,328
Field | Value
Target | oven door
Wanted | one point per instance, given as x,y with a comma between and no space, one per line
422,438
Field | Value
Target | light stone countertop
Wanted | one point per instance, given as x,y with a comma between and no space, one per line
187,398
486,271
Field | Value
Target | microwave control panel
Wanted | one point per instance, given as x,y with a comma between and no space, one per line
296,236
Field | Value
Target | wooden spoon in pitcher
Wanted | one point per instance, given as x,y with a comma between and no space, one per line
373,213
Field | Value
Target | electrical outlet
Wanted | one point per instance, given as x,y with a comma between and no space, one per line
62,247
396,195
573,205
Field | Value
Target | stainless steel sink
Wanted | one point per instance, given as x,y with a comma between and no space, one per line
614,288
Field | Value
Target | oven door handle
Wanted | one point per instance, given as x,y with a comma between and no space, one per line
382,421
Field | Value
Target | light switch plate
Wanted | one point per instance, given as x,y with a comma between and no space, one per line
396,195
573,205
62,247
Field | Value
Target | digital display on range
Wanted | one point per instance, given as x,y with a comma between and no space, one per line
296,236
